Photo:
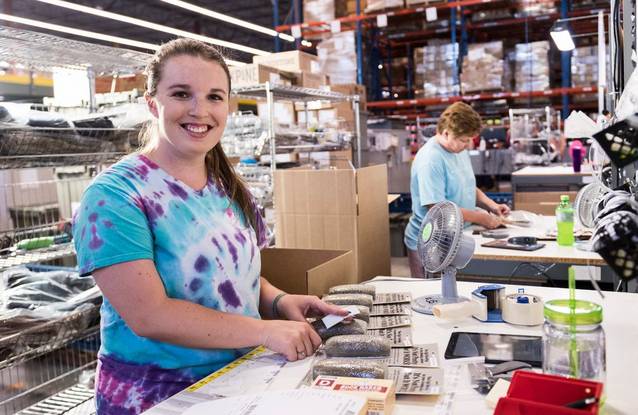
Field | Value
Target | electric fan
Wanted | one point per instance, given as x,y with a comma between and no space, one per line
443,248
586,203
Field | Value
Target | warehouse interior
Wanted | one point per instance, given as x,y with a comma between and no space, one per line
334,110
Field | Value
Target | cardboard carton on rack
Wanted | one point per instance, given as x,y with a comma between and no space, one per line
293,61
254,74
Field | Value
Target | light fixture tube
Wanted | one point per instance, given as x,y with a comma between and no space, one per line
153,26
229,19
91,35
562,38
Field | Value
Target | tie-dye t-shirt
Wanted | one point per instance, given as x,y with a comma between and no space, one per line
204,252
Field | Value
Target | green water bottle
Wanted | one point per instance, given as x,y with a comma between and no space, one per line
565,222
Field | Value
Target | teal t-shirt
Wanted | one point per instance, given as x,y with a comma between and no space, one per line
200,243
438,175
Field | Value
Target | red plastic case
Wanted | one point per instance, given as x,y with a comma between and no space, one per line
535,393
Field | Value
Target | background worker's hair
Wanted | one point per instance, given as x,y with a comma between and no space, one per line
460,119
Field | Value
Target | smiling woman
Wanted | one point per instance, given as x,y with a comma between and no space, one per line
174,242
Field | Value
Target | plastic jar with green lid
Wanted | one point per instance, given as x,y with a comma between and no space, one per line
578,349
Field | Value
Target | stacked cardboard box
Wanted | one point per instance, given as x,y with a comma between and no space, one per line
483,67
255,73
535,7
348,7
318,10
333,114
433,68
304,67
378,5
532,66
585,66
338,58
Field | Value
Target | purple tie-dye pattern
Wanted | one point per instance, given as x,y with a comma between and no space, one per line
239,237
157,196
232,250
101,203
93,217
128,389
153,210
107,223
202,264
216,243
96,242
229,294
150,163
176,189
142,171
83,232
196,284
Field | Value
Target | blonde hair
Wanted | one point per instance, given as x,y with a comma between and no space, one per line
217,164
460,119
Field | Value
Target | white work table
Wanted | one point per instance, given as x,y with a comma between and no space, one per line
552,171
620,311
550,253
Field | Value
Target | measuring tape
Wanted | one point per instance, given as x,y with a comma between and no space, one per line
226,369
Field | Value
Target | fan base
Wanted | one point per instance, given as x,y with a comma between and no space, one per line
425,304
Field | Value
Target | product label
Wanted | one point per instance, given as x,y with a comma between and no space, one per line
423,355
417,381
392,298
391,310
400,337
387,322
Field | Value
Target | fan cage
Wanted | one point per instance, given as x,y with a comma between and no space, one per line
586,201
447,223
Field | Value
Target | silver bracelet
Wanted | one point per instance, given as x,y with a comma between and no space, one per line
275,312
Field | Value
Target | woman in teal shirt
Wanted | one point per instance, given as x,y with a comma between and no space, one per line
442,170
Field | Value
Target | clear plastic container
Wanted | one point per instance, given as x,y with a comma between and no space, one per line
574,351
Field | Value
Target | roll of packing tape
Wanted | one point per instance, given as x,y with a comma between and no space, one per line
523,309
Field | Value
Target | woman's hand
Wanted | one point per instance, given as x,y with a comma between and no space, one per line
501,210
294,339
489,221
298,307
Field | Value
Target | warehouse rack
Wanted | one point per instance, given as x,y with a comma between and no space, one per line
456,20
44,366
272,93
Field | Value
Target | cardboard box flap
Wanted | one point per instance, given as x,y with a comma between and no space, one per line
373,232
307,271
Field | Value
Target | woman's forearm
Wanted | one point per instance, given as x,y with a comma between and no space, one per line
191,325
470,215
267,296
483,201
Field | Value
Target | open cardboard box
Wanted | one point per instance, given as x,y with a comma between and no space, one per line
307,271
338,207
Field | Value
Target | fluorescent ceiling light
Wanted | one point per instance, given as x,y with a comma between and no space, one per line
91,35
154,26
229,19
562,37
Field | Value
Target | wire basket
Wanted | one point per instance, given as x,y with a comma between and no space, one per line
616,240
39,146
620,142
23,338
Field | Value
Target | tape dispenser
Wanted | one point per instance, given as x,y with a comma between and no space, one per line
489,303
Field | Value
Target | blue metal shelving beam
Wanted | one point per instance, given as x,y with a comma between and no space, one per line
359,47
275,23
